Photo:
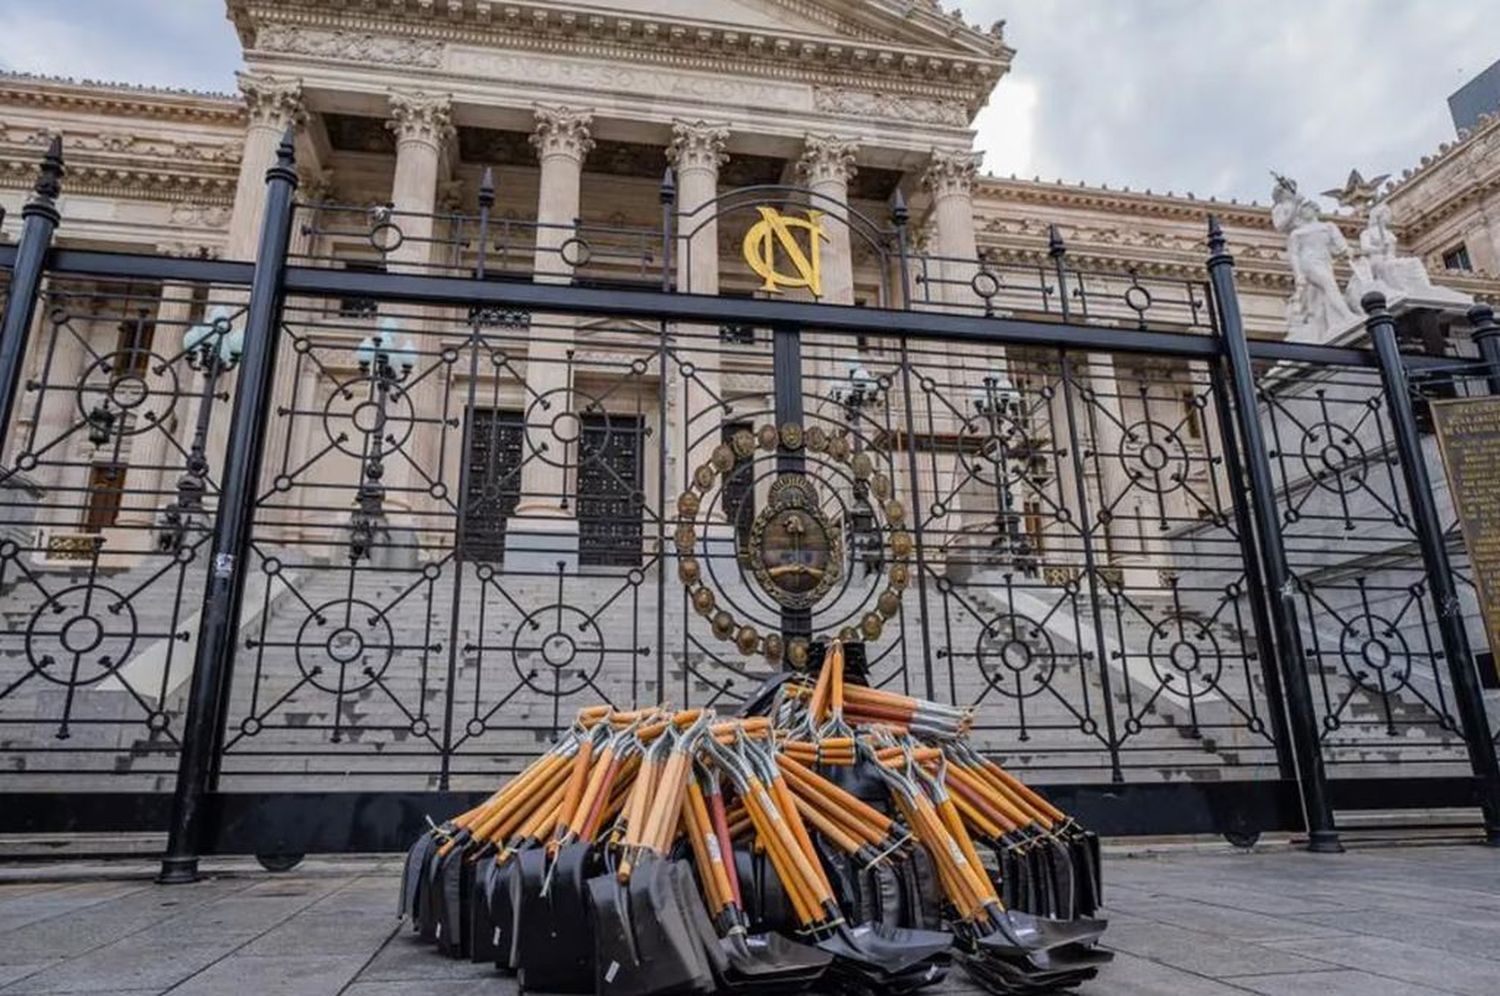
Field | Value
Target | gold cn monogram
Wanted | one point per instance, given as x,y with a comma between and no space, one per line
773,237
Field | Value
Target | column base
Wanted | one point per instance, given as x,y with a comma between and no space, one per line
177,871
541,545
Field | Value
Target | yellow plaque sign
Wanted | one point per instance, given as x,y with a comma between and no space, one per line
773,239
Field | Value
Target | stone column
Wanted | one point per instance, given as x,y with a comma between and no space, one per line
272,104
949,179
423,126
697,152
826,167
544,530
60,437
155,463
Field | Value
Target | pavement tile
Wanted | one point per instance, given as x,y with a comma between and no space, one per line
122,965
282,975
1413,963
320,934
1131,976
449,987
405,959
1341,982
1203,953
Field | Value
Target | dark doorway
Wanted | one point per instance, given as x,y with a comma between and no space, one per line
739,488
496,439
610,472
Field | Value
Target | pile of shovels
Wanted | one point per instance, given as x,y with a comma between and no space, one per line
832,839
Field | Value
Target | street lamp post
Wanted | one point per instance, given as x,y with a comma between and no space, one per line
386,359
997,399
212,348
853,395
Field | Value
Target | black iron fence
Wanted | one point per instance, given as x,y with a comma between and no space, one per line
293,553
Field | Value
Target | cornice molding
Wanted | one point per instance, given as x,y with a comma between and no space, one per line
56,93
1231,213
161,183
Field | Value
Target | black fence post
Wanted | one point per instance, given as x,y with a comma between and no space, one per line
39,221
1280,588
231,541
1486,336
1429,530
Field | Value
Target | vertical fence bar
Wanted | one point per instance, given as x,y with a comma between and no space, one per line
1312,781
900,219
1429,529
39,221
226,582
1058,252
667,196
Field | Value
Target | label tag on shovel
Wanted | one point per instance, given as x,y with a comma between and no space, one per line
612,971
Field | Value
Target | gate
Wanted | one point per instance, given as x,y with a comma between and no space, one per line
281,575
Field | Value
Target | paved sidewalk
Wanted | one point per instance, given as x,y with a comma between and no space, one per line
1398,920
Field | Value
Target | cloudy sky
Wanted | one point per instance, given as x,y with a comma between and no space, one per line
1200,95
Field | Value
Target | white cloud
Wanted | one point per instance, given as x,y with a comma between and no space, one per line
1006,128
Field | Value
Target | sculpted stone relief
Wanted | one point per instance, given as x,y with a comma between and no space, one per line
350,46
898,107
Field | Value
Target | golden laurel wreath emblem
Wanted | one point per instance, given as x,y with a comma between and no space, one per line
774,237
794,552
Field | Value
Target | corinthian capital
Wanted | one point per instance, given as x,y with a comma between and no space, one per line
562,131
698,145
422,117
827,157
271,101
952,173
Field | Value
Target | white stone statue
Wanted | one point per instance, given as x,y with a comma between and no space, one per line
1316,310
1380,268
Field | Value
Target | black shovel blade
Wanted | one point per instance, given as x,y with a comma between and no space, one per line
552,952
888,950
417,857
771,961
484,935
1022,934
1010,978
430,896
642,944
455,882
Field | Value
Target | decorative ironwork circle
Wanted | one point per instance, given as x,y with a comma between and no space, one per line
1154,456
117,383
80,635
344,646
985,284
576,252
557,650
1185,655
357,411
554,424
1375,654
1332,457
1016,656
